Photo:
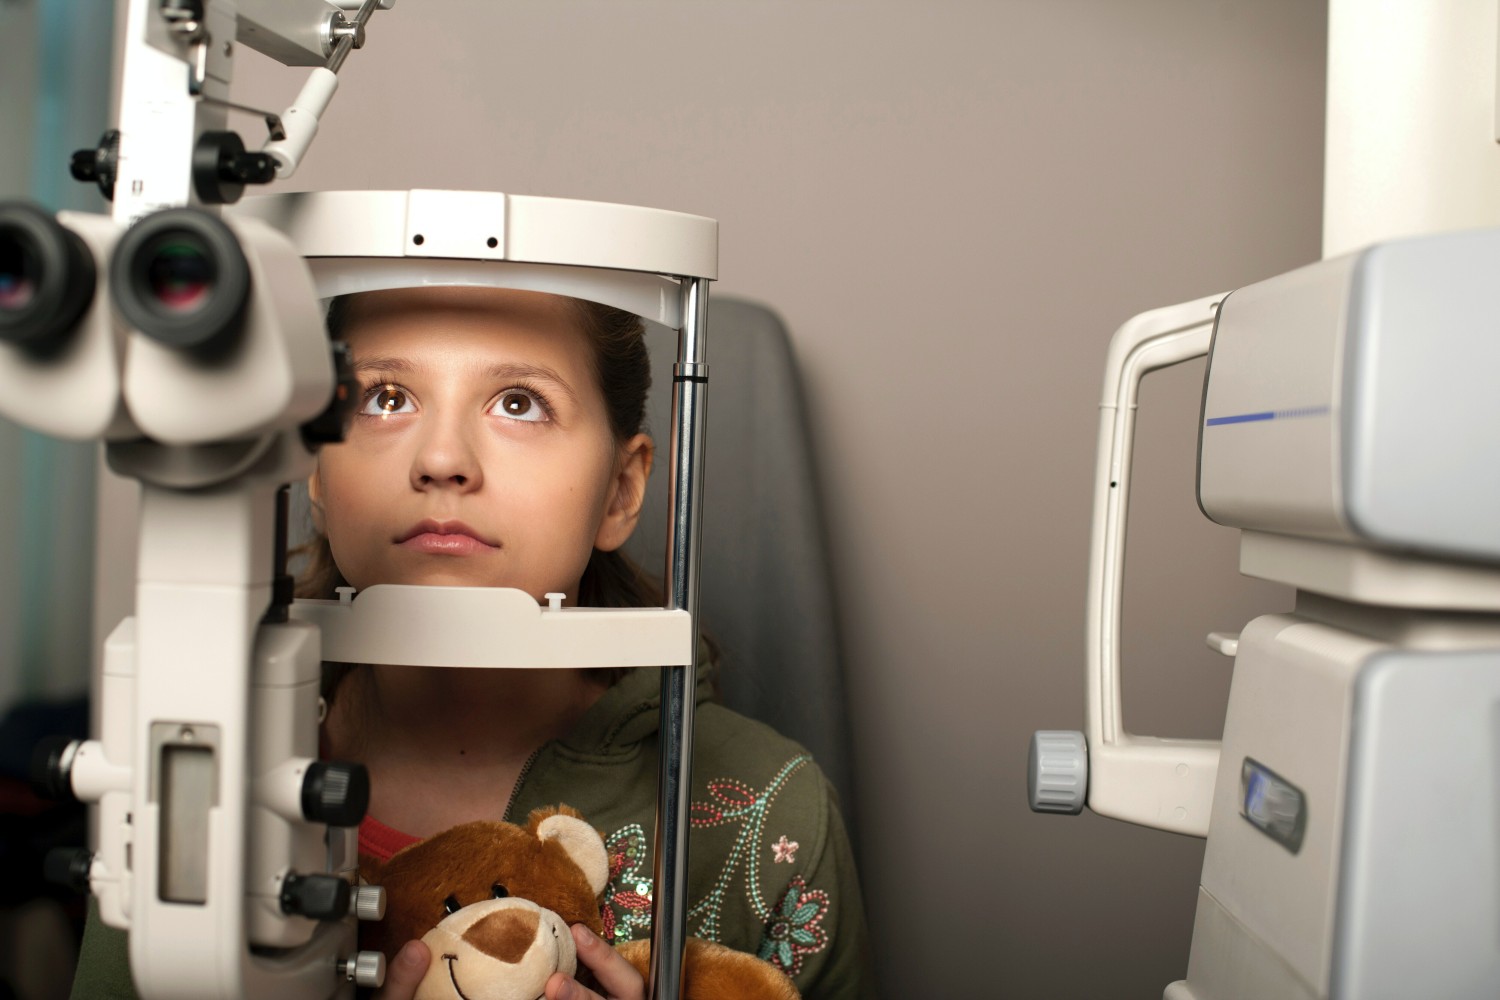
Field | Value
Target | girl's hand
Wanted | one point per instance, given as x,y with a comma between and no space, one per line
405,972
617,977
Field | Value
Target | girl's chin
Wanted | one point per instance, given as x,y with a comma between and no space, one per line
453,577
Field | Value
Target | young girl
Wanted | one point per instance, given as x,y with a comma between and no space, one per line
499,444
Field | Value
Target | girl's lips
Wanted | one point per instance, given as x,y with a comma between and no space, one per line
435,543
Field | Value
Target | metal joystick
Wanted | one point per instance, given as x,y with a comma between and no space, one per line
317,897
368,902
335,793
364,968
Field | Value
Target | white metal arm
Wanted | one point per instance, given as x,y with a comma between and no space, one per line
1153,781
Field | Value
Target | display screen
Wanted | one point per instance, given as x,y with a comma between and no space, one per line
1272,804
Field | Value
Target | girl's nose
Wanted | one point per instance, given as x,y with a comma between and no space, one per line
445,459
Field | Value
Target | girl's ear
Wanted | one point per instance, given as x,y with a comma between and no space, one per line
627,492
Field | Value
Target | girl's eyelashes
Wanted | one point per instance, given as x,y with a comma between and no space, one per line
384,400
519,403
523,404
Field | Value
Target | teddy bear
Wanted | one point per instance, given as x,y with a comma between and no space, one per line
493,902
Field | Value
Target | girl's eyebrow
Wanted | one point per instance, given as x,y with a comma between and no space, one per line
506,371
383,366
503,371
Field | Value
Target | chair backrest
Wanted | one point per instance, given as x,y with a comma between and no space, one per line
765,587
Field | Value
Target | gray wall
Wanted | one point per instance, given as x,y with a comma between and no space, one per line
953,205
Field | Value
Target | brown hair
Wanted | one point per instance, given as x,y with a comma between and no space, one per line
610,579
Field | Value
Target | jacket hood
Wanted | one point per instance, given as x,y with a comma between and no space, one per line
630,711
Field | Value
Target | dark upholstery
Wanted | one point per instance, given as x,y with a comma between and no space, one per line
765,589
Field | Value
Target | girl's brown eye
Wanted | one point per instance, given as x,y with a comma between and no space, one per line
519,404
386,400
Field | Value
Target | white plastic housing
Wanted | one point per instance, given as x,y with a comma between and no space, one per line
493,627
277,376
1353,400
1154,781
621,255
1413,119
75,393
300,121
113,751
284,710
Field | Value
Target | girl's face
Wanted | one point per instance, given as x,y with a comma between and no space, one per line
481,454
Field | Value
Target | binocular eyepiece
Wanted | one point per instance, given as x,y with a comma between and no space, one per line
180,277
184,329
47,278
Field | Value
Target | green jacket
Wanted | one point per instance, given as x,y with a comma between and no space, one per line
770,870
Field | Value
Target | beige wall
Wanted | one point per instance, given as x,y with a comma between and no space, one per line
953,205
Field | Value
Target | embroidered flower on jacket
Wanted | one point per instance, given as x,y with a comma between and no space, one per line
628,890
785,850
793,930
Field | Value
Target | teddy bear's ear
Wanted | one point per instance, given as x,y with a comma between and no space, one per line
582,843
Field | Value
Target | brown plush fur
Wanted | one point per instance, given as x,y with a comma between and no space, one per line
713,972
468,860
465,862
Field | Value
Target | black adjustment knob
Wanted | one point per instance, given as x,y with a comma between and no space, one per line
100,164
68,867
50,766
335,793
317,897
330,426
222,167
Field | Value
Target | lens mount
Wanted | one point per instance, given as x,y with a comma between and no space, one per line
47,277
180,277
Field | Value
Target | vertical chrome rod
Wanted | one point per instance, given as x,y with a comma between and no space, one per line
675,769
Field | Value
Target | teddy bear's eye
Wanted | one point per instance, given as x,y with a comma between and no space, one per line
451,905
499,891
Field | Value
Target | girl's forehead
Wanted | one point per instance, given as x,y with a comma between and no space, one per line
444,305
430,321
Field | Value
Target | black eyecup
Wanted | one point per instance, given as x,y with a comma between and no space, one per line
208,331
65,280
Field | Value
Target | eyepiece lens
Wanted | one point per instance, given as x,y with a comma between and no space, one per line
19,272
180,275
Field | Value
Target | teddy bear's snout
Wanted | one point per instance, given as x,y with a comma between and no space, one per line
506,934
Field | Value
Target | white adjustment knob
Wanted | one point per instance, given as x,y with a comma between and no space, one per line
368,902
1057,771
366,968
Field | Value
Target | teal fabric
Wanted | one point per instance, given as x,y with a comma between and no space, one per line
54,532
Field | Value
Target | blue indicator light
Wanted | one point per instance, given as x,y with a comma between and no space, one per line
1263,415
1243,418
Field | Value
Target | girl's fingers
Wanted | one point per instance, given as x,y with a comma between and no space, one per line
405,972
616,977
